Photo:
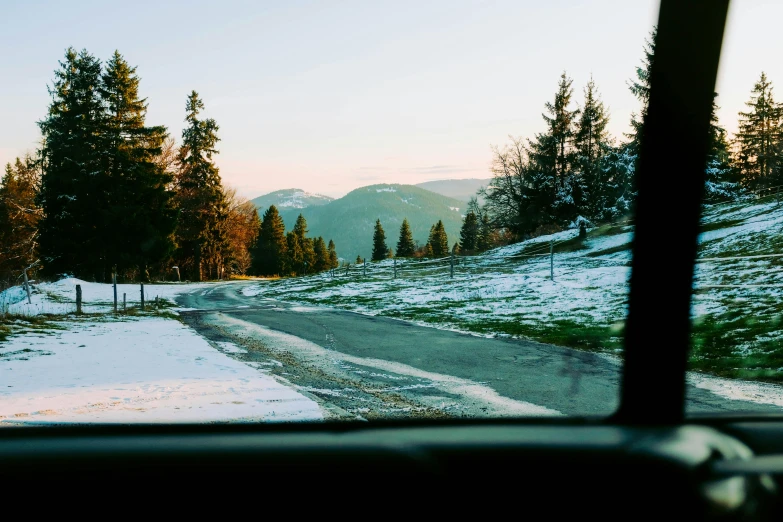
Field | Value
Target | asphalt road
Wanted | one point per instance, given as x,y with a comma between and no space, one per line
370,367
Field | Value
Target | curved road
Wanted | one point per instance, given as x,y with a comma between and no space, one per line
360,366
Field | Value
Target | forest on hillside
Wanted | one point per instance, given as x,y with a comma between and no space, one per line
107,193
576,171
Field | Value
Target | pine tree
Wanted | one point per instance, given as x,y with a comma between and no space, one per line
201,235
551,180
333,259
294,259
271,247
760,137
483,242
389,253
721,177
140,218
592,142
306,243
405,245
321,255
617,168
640,87
379,248
19,217
358,260
438,240
72,179
469,234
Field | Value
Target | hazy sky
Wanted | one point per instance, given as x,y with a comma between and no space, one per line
330,96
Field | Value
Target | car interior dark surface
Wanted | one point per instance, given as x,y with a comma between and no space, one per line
647,460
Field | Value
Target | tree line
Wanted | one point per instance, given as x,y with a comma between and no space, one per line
475,236
106,193
576,170
291,254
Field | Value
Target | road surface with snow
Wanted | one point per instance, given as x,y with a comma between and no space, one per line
375,367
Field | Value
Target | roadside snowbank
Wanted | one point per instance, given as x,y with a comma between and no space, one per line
148,370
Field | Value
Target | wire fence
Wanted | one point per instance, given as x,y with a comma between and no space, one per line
449,266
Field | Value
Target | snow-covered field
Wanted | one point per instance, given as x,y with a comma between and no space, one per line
132,369
508,291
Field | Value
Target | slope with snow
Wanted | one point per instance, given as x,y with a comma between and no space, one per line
290,199
737,306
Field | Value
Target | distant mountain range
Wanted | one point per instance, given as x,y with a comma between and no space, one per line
461,189
290,198
349,220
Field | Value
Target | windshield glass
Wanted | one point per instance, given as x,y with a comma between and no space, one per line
738,311
351,211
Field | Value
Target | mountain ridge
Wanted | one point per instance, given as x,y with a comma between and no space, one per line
350,220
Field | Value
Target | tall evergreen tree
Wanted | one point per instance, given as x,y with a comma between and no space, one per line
73,170
140,217
379,248
721,176
271,246
552,156
484,240
321,255
306,243
640,87
469,234
294,259
201,235
19,217
759,155
592,142
617,168
333,259
438,240
405,245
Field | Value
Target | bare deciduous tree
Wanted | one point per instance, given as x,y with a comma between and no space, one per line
506,199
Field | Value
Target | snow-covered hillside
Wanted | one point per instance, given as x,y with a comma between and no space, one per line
508,291
290,199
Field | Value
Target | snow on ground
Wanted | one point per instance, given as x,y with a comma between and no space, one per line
145,370
134,369
508,291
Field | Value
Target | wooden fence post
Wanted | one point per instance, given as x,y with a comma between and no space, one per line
451,268
552,260
27,286
365,267
124,302
142,297
395,268
78,299
114,284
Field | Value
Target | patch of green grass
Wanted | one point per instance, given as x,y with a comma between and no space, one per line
610,250
716,225
15,324
562,332
739,345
